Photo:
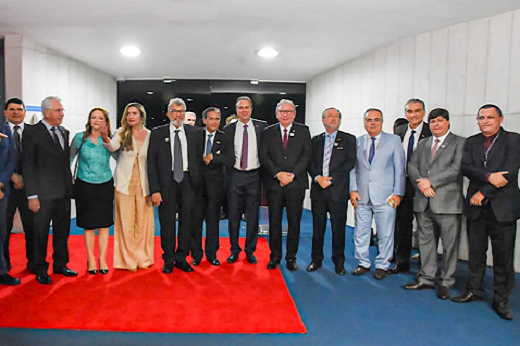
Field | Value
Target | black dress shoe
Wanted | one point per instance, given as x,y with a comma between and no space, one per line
340,270
214,262
167,268
291,265
44,279
380,274
9,266
503,310
233,258
184,266
417,286
443,293
466,298
7,279
360,271
251,258
196,262
313,266
65,272
399,268
272,264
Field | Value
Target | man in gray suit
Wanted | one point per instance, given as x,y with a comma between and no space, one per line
377,184
435,170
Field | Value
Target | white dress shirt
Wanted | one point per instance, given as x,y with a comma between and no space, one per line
369,144
184,146
252,149
416,137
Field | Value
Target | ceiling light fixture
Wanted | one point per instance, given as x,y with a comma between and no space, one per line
267,53
283,93
150,92
254,81
131,51
189,100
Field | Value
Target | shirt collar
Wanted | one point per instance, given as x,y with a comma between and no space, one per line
442,138
47,125
418,129
333,134
208,133
22,124
173,128
289,127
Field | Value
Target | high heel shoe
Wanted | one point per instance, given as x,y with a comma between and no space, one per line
102,271
91,272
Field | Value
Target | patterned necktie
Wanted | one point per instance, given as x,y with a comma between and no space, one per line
327,156
209,144
55,137
411,142
372,151
434,149
17,140
285,138
178,171
243,158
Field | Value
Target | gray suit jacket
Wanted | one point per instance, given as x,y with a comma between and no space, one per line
444,174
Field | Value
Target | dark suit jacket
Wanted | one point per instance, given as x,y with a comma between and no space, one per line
504,155
295,159
401,131
223,156
159,159
342,160
7,158
46,168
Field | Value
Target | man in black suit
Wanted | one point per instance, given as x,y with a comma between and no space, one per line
217,154
14,112
48,185
410,134
243,181
173,165
491,161
333,157
285,154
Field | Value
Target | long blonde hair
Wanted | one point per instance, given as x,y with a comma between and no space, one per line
126,131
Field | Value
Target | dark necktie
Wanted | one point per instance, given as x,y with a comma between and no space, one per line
411,142
178,171
55,137
434,149
372,151
17,140
285,138
243,158
209,144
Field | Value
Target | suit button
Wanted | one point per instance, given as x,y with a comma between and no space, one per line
428,172
285,157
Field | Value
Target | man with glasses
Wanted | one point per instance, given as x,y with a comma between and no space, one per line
285,154
333,157
244,185
173,164
216,155
48,185
377,184
14,112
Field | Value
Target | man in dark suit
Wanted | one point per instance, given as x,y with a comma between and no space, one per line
7,163
435,169
48,185
14,112
491,161
285,154
410,134
217,154
243,181
333,157
173,165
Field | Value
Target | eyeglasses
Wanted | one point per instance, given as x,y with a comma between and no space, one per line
59,110
286,111
181,111
331,116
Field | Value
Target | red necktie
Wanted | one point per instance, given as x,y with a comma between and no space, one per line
285,138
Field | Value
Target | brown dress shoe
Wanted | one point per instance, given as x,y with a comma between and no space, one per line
360,271
443,293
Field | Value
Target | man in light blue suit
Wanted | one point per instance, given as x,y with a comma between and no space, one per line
377,184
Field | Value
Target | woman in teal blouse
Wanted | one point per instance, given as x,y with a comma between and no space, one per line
94,187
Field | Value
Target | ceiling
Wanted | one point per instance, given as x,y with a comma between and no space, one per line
217,39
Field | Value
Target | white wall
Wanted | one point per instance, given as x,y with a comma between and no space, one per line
459,68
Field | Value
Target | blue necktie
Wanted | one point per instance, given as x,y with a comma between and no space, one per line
209,144
409,152
372,151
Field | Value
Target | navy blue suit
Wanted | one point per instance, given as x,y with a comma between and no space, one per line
7,164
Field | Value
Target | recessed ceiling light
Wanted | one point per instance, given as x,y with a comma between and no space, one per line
254,81
283,93
267,53
226,107
189,100
130,51
150,92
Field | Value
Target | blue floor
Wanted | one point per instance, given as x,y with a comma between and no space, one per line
336,311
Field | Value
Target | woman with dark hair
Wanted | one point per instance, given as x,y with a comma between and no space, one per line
134,220
94,187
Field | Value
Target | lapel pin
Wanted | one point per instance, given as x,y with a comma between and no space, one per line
167,139
291,134
336,144
217,152
217,142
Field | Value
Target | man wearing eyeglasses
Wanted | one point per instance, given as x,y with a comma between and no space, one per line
491,161
173,165
377,184
48,185
333,157
285,154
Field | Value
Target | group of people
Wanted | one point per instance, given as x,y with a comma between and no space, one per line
187,170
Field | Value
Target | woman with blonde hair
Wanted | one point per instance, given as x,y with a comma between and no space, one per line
94,189
134,220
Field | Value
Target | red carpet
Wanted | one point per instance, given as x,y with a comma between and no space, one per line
232,298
